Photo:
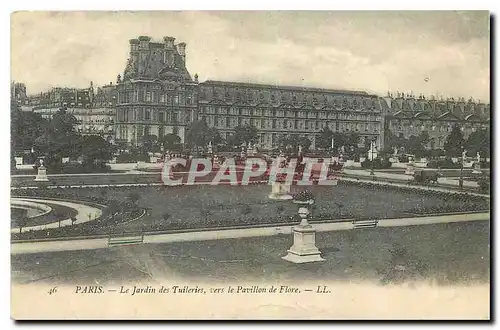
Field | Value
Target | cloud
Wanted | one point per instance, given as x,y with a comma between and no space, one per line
373,51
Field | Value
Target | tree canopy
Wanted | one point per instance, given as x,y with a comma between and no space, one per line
479,141
243,135
454,142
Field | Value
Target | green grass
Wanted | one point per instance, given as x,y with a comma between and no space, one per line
447,254
205,206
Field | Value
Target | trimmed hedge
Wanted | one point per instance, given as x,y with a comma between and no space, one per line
377,163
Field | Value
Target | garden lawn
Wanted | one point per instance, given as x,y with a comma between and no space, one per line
446,254
209,206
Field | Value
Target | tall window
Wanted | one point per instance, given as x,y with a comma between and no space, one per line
161,117
148,96
147,114
176,99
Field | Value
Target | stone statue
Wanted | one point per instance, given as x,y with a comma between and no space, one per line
464,154
478,157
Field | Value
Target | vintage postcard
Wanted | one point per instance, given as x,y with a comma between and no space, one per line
235,165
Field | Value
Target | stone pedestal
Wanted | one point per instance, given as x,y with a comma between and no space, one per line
304,247
410,169
281,191
42,174
477,168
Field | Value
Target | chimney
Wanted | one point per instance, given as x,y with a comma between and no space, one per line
144,42
181,49
134,45
169,42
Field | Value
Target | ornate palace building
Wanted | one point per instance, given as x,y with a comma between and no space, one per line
278,111
157,95
407,115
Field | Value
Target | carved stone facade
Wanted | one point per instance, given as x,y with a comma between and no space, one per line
157,95
278,111
409,115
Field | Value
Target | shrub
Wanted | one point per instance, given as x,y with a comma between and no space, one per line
377,163
443,163
127,157
484,185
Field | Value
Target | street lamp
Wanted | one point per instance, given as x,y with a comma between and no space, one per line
372,152
461,179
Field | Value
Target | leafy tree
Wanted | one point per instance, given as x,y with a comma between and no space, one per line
416,144
244,134
26,127
291,143
479,141
324,139
149,143
59,139
170,141
94,148
198,134
454,142
214,136
394,141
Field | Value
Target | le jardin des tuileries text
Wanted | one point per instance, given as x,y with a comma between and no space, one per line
134,290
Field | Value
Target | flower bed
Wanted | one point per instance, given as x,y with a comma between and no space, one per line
114,213
191,207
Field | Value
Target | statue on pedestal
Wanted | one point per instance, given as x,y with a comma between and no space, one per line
280,189
410,168
42,173
254,149
209,148
477,164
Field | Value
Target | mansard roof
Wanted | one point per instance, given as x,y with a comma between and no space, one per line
448,115
283,87
424,115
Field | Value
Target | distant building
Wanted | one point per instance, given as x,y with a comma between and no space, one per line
279,111
157,95
18,93
94,110
58,96
407,115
